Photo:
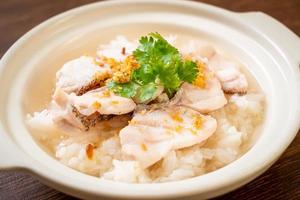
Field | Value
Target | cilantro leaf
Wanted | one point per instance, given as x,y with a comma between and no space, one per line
159,64
144,75
169,77
188,71
158,60
124,89
146,92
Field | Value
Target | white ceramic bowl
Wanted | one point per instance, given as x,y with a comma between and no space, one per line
270,51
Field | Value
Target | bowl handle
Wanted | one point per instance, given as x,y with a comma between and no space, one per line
11,157
282,36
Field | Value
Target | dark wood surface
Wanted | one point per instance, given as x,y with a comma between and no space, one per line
281,181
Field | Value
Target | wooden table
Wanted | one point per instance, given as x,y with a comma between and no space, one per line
281,181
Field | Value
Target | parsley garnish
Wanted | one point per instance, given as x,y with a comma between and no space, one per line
160,65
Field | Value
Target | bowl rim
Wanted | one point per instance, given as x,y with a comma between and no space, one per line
230,16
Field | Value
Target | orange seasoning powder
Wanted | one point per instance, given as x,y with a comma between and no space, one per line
200,80
144,147
114,102
122,71
106,93
89,151
178,128
96,105
176,116
198,122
